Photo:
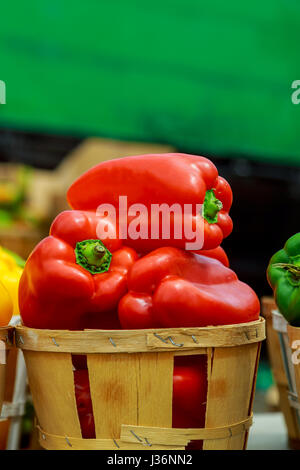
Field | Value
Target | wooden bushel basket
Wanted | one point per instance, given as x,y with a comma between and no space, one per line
293,334
13,407
131,383
282,368
6,341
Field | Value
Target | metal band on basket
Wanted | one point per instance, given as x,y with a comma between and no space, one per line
145,436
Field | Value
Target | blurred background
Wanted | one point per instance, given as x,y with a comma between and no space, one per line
89,81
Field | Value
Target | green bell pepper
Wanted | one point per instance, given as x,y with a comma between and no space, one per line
283,275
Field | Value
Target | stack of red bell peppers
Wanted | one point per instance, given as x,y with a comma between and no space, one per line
72,280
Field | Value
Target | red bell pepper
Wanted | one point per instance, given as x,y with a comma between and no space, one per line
160,179
72,280
84,404
189,394
216,253
173,288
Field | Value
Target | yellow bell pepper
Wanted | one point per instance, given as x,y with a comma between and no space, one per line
10,273
6,306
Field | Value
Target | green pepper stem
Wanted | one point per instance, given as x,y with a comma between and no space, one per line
211,207
291,268
93,256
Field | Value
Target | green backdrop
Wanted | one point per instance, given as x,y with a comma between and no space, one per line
213,76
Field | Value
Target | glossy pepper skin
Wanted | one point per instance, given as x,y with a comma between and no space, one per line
283,274
84,404
216,253
11,268
173,288
6,306
189,394
73,281
157,179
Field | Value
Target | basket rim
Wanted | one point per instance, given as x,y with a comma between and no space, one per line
149,340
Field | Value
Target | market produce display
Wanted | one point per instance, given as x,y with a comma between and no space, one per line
283,274
16,212
12,196
74,281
